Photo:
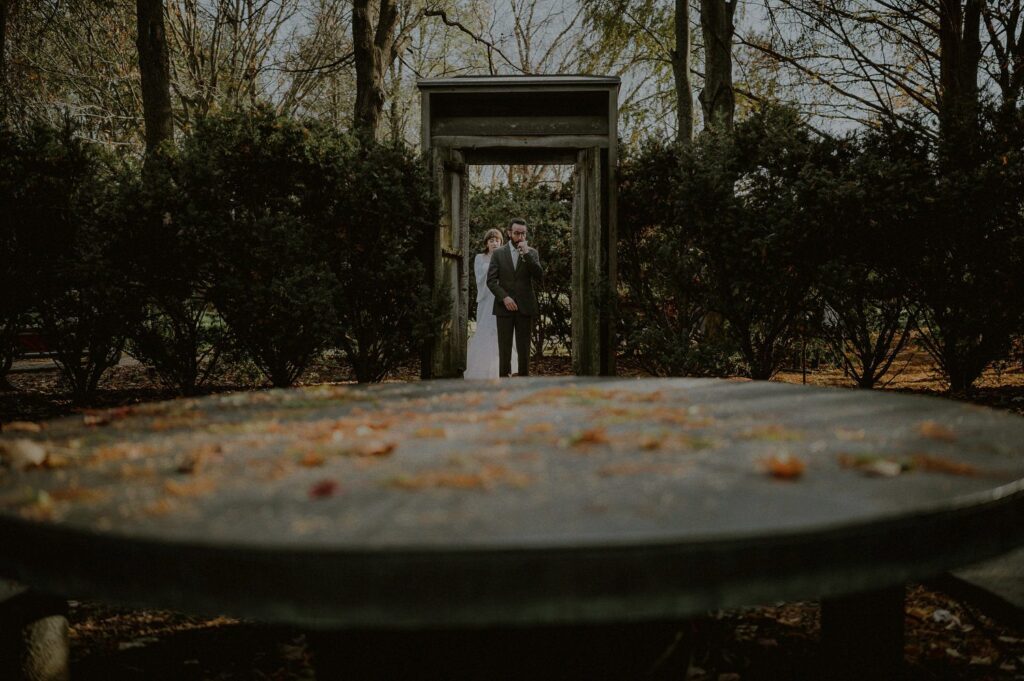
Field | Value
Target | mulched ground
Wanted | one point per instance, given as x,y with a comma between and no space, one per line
946,637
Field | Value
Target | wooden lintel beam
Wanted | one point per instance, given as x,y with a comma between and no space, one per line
521,142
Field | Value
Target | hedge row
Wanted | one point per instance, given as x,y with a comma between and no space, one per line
736,245
257,236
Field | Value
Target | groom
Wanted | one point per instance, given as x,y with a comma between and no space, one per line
510,277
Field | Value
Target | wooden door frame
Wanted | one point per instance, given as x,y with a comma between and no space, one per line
570,135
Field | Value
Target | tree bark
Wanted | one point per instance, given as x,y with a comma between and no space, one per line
681,71
5,11
717,99
374,48
154,69
959,60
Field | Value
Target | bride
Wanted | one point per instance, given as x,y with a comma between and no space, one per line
482,352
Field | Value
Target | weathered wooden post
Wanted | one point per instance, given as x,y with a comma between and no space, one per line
570,120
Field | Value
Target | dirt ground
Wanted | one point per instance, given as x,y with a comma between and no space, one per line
946,638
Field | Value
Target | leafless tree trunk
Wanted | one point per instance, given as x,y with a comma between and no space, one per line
717,99
959,58
1004,23
5,9
155,74
374,47
681,72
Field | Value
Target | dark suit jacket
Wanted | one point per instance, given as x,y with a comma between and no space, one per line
517,282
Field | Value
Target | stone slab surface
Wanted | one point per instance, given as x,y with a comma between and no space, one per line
525,501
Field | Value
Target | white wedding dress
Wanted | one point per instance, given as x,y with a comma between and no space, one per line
482,351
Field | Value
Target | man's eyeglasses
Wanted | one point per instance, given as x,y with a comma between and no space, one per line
518,232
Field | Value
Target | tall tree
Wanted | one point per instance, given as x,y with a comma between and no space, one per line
649,44
681,72
154,69
1004,24
375,46
959,58
5,11
717,99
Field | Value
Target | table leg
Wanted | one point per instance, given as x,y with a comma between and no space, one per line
862,636
33,635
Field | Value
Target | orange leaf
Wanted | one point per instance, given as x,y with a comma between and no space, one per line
373,448
312,460
784,466
591,436
22,427
649,442
936,431
431,432
324,489
938,464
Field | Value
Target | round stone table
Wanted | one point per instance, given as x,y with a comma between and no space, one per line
461,506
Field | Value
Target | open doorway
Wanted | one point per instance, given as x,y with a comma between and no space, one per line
525,120
543,197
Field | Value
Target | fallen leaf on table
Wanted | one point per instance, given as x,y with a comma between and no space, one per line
192,488
195,460
850,434
103,418
431,432
649,442
324,489
936,431
21,427
22,453
312,460
784,466
79,494
938,464
871,465
773,432
372,448
487,477
591,436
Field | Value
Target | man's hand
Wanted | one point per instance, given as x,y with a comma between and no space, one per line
510,304
523,248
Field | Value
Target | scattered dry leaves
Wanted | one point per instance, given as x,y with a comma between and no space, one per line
74,493
487,477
